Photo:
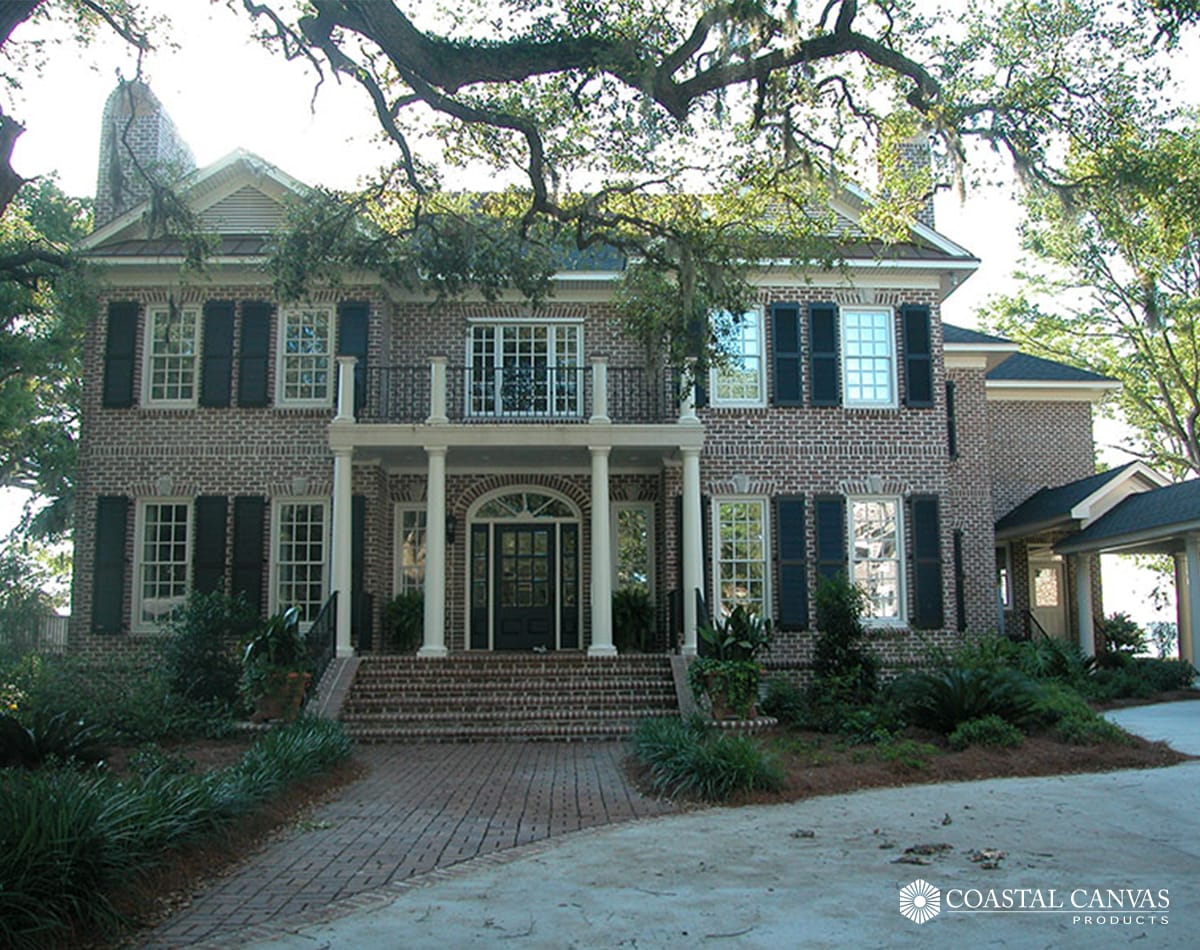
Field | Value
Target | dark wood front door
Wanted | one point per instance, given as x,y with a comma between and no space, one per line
525,601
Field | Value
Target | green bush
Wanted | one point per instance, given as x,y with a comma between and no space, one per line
839,659
1107,684
987,731
1055,701
69,840
200,652
945,699
1120,633
1164,676
785,701
1050,658
690,758
907,753
633,620
1090,730
48,736
404,617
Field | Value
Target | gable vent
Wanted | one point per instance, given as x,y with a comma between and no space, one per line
246,211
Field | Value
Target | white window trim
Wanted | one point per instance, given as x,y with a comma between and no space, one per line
893,357
276,514
901,620
148,401
137,625
767,561
398,526
326,401
648,508
759,401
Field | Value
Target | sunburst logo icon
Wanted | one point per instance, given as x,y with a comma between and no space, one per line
920,901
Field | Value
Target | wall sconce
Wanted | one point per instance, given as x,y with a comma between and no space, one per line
451,524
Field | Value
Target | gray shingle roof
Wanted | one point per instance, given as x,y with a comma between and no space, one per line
1157,512
953,334
1023,367
1050,505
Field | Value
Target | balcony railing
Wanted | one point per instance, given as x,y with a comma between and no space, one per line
520,393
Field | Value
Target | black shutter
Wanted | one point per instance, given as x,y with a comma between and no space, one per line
785,333
255,353
951,421
790,530
208,551
927,612
960,581
831,535
248,530
120,346
358,546
108,568
918,357
216,373
352,341
823,381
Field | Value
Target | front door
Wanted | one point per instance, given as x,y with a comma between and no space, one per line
525,603
1047,596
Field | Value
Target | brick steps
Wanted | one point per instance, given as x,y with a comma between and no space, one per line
506,696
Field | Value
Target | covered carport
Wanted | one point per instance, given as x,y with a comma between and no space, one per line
1159,521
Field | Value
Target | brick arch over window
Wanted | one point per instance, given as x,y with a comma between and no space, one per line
573,492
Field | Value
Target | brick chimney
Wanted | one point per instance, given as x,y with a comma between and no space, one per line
137,138
917,158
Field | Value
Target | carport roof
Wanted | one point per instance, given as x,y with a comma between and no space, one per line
1051,506
1151,520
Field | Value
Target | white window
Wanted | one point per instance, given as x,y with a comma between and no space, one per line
633,545
740,540
172,356
525,369
410,549
163,560
877,556
868,358
301,549
305,369
739,379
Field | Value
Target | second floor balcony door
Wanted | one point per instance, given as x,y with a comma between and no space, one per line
526,370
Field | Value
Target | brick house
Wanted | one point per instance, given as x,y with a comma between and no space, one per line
518,465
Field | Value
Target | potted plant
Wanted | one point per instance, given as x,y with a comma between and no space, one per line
276,669
729,673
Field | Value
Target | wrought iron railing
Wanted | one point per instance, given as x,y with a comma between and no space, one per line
322,638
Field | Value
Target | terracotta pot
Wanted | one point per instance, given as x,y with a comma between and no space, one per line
282,698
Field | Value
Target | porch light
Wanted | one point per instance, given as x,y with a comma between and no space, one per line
451,524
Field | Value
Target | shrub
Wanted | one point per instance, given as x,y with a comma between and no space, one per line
943,700
1120,683
986,731
906,753
200,652
692,759
1164,676
405,619
1122,635
1055,701
728,671
633,619
1051,658
785,701
1090,730
839,659
45,736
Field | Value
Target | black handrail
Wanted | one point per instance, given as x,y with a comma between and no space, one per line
322,638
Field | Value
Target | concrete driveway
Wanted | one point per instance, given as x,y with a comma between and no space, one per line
1016,862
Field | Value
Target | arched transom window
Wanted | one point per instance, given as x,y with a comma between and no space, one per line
524,505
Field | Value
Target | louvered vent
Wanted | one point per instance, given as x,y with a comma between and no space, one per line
246,211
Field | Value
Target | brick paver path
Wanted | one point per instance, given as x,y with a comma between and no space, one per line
420,807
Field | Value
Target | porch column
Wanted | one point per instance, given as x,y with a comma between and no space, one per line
345,388
437,391
602,642
343,477
687,405
1192,553
1183,617
693,547
434,643
1083,603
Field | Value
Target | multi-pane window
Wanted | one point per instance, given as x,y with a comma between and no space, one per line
163,560
876,558
172,349
410,550
738,380
634,545
306,355
740,530
868,358
300,553
526,369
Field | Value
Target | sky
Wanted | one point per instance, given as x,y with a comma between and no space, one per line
224,91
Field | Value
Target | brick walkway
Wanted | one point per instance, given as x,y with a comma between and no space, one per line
419,808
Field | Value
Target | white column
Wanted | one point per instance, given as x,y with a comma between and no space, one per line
602,642
1083,603
434,643
343,477
693,547
345,390
599,390
1192,552
1183,617
687,405
437,391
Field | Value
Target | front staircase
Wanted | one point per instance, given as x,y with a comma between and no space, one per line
506,696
